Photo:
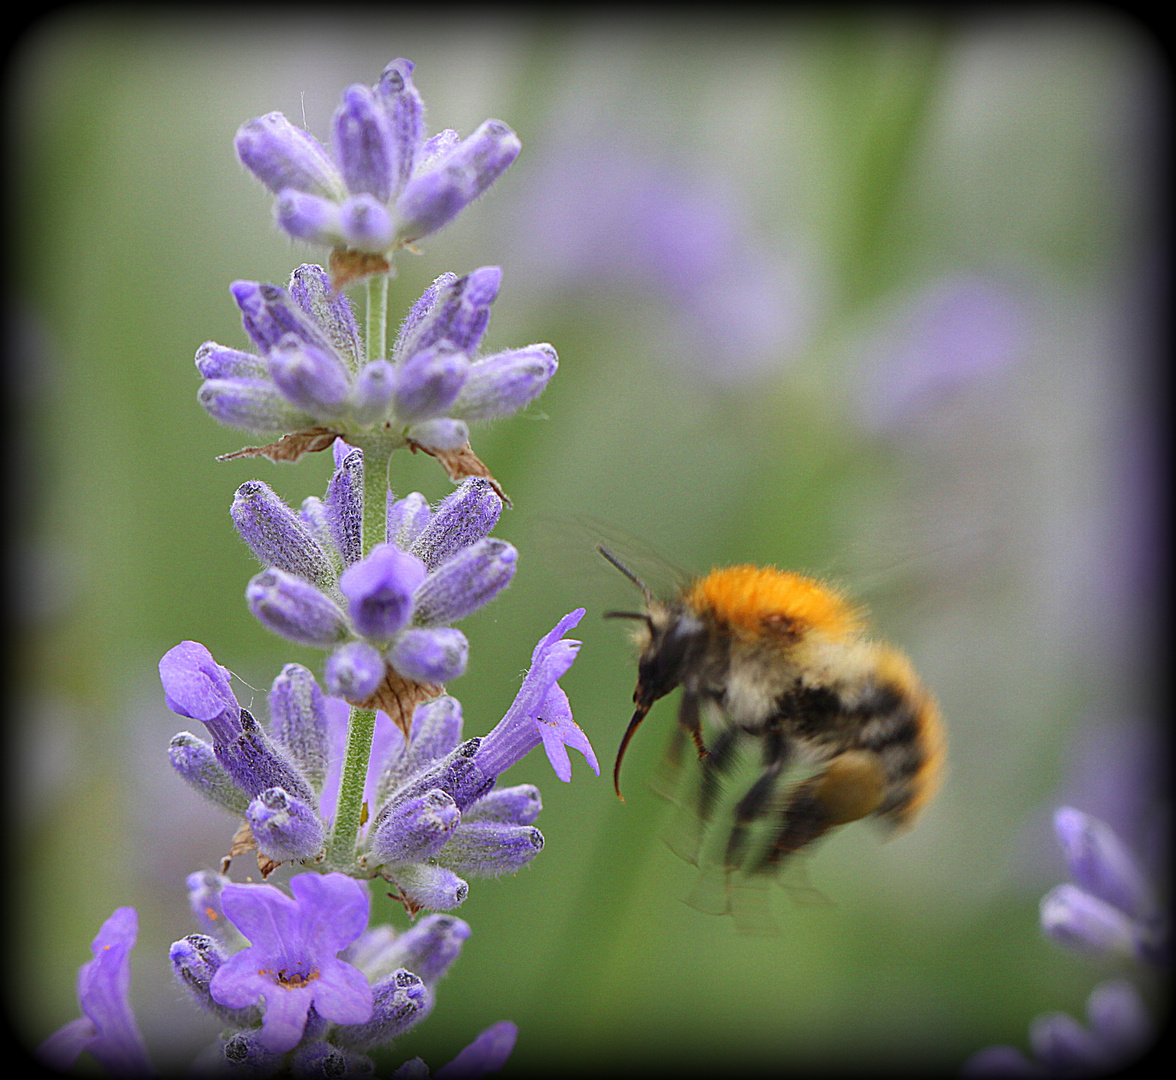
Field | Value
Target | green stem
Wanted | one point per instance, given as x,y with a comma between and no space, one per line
349,812
376,330
361,725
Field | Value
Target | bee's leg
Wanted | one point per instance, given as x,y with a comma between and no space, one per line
713,765
850,787
777,750
666,778
690,720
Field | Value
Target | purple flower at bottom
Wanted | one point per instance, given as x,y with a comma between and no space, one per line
107,1027
292,962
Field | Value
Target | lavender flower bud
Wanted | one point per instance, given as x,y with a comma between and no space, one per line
1100,863
363,144
467,581
215,361
1118,1019
372,394
344,504
318,1059
195,959
456,313
313,514
311,290
284,827
313,378
204,900
430,654
429,382
406,117
354,670
1086,924
416,828
399,1001
294,608
436,730
406,518
518,805
415,333
269,315
298,721
366,224
379,590
462,519
277,536
244,1050
487,848
256,763
1064,1046
502,384
457,773
255,405
441,433
281,156
432,887
195,762
430,946
433,197
309,217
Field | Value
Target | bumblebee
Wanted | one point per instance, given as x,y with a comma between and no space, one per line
783,659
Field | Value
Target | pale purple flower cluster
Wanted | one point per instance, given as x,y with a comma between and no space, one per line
437,813
312,372
382,184
371,779
391,608
1109,912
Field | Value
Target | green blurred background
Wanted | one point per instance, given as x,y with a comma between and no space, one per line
871,297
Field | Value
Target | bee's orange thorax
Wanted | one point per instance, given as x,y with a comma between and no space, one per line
751,599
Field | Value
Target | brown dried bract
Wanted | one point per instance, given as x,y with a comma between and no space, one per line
347,266
243,841
461,463
399,697
289,447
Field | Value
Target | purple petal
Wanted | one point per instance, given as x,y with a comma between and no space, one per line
487,1053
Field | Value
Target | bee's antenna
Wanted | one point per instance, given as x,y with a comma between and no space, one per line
624,570
634,724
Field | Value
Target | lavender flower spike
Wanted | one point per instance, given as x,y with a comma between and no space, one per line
107,1027
291,963
382,185
540,711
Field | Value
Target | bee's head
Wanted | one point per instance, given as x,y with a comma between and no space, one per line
670,640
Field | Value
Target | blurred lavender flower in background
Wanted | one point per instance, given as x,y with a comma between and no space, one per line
948,337
1110,909
1109,912
603,216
